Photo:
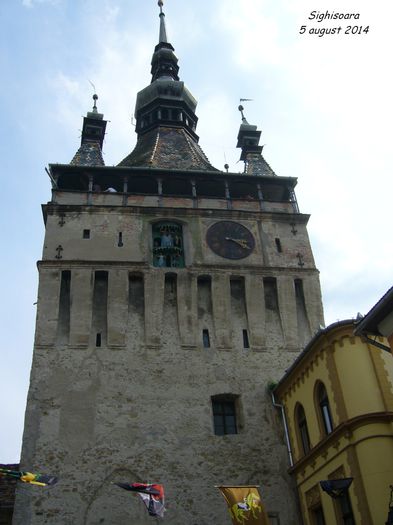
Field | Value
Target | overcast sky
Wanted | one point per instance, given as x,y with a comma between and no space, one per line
324,105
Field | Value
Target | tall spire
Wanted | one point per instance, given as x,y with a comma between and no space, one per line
163,36
165,116
164,62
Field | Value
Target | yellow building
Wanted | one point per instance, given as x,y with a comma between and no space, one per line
337,400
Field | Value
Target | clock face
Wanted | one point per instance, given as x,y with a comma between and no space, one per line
230,240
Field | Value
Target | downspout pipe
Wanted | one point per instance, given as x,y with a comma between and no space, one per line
284,420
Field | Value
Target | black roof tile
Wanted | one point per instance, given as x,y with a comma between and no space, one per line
167,147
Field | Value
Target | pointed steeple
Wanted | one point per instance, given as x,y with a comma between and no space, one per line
162,37
248,140
164,61
165,115
93,133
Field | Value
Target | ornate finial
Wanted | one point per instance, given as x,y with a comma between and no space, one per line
241,108
160,3
95,98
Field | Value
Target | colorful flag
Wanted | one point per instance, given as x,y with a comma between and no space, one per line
245,505
28,477
152,496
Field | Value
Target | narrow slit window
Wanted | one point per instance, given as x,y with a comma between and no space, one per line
86,234
271,294
63,327
246,342
278,245
98,340
206,338
120,240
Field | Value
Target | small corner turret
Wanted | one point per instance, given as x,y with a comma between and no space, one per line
248,140
92,139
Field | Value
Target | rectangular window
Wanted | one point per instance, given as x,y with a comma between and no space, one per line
224,415
98,340
271,294
86,234
278,245
206,338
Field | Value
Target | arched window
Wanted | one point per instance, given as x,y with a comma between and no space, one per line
324,408
302,429
168,249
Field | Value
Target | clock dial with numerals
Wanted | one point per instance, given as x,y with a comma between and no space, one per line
230,240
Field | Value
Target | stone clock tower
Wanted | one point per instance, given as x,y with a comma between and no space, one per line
170,294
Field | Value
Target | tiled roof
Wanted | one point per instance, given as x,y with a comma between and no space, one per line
166,147
89,154
257,165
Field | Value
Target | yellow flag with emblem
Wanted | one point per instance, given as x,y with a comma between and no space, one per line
245,505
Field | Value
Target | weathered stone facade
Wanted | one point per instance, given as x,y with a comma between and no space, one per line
123,376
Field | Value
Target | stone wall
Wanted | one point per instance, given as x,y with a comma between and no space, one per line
135,404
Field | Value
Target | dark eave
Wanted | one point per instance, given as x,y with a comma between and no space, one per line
369,323
121,171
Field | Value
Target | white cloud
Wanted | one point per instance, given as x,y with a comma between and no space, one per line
63,83
32,3
333,94
254,31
